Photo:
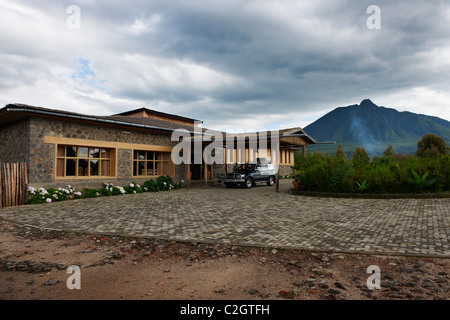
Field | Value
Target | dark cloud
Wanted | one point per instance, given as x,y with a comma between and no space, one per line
213,60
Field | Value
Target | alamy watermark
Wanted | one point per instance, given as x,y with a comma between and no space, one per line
73,22
74,281
374,21
224,148
374,281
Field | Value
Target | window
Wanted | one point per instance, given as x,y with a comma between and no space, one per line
84,162
152,163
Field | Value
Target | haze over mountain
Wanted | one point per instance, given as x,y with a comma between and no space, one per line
374,128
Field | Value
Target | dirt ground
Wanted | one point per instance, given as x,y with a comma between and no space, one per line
34,262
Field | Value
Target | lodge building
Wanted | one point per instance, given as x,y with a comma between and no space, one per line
62,148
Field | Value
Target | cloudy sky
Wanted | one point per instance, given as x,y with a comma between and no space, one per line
234,64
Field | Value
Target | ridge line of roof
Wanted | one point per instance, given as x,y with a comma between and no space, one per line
156,112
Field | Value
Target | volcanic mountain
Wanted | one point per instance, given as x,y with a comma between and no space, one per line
374,127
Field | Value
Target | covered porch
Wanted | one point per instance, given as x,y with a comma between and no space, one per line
276,147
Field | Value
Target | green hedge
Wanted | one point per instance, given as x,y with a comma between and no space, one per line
389,173
42,195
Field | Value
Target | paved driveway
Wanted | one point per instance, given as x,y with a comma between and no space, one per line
259,217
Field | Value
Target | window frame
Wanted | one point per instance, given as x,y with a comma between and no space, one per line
155,161
87,175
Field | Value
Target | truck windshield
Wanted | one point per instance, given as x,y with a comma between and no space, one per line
245,167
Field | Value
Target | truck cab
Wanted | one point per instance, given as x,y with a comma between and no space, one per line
248,175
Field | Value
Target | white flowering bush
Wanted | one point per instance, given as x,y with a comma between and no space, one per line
133,188
42,195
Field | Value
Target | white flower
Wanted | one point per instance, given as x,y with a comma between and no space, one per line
48,200
134,191
131,185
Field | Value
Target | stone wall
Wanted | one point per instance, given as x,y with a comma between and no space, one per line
285,170
42,155
15,142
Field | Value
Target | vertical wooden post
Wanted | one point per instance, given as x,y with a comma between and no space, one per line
187,161
188,173
278,160
206,174
277,188
1,186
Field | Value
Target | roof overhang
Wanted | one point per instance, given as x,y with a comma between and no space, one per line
15,112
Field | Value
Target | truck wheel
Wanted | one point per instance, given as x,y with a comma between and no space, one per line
271,181
248,183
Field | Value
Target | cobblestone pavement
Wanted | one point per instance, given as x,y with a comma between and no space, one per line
256,217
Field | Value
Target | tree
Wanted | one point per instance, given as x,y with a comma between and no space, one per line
431,146
360,158
389,152
340,152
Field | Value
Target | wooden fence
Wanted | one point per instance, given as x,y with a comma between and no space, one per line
13,184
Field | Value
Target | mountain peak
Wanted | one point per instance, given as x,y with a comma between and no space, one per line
367,103
374,128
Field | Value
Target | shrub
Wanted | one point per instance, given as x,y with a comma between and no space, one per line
360,158
133,188
389,152
362,186
117,191
340,153
339,169
431,146
389,173
41,195
421,182
91,193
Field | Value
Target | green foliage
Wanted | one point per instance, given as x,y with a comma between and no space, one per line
133,188
340,152
389,152
362,186
338,169
421,181
297,175
431,146
360,158
91,193
42,195
390,173
104,192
